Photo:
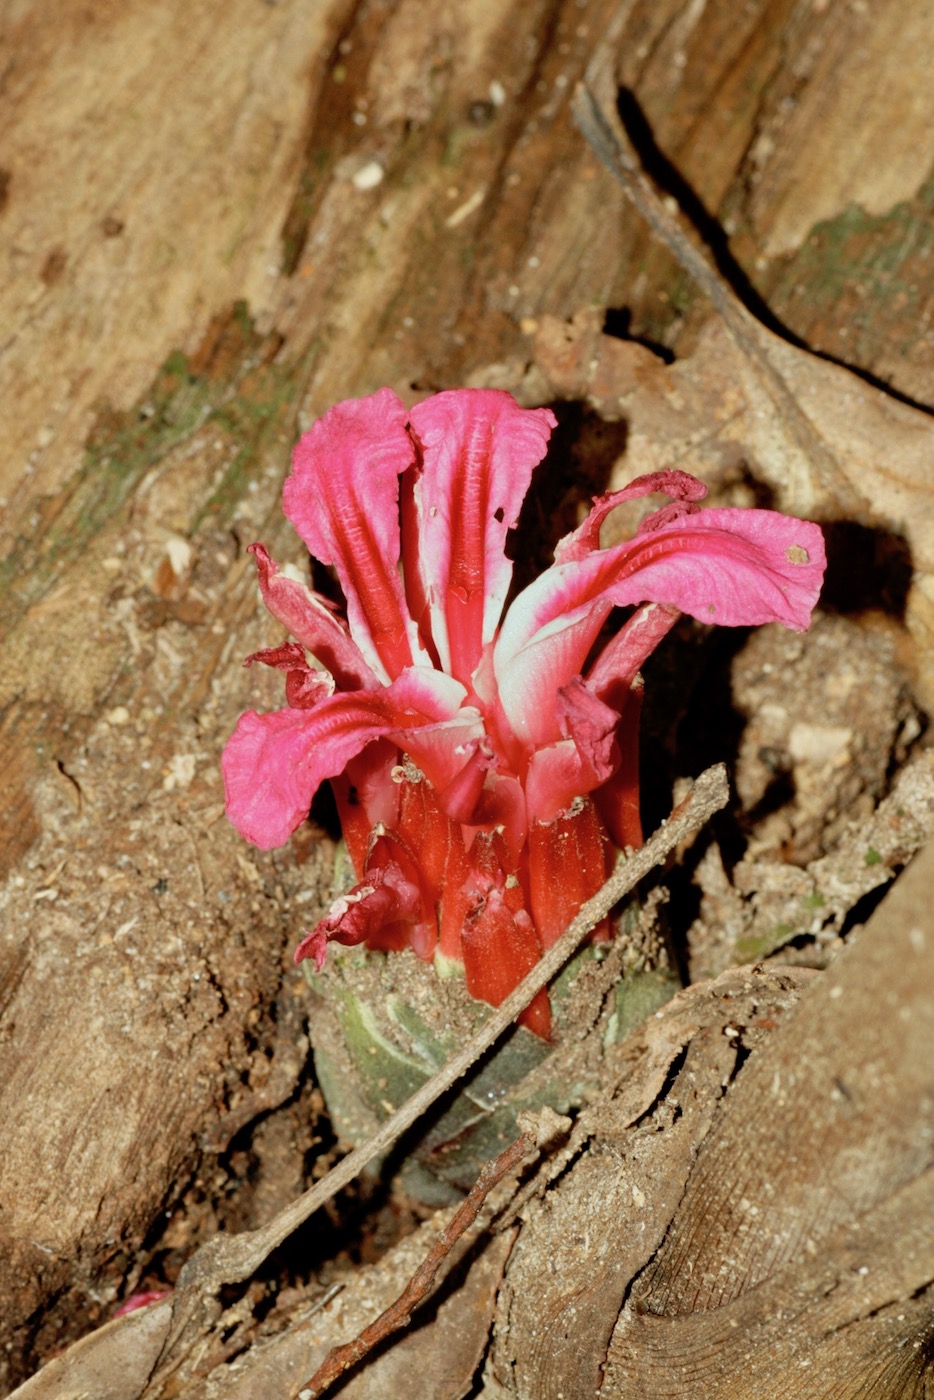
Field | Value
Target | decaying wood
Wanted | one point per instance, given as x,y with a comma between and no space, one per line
775,1240
219,220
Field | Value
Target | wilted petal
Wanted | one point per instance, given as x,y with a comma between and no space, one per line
384,897
312,622
617,800
304,686
479,450
343,498
560,772
624,655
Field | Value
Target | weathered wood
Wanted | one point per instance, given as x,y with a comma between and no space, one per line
219,219
760,1229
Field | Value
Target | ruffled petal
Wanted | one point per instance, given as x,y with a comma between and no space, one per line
309,618
624,655
304,687
479,449
274,763
343,498
732,567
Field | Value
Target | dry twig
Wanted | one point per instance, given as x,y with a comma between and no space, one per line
398,1314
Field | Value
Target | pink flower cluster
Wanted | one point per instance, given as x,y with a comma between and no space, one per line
484,766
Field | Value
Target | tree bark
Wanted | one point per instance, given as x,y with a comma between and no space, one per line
219,220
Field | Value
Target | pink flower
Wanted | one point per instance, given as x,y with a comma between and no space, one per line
142,1300
484,766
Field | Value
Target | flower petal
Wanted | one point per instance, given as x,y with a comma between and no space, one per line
479,449
273,764
624,655
733,567
312,622
384,896
343,498
304,687
683,488
444,750
588,757
530,677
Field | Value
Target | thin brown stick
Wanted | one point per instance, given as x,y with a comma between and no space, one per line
232,1258
398,1314
593,105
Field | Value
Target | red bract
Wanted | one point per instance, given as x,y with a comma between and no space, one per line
484,767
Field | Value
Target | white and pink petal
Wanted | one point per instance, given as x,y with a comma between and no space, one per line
343,498
478,452
732,567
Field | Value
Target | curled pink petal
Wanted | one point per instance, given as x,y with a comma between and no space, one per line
590,724
681,486
479,449
624,655
560,772
304,687
343,498
312,622
733,567
274,763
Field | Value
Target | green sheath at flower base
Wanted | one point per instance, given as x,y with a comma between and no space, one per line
381,1026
